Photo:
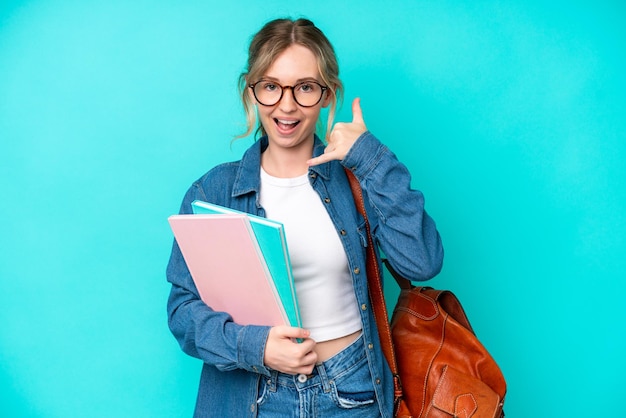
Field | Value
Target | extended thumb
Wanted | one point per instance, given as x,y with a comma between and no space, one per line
357,113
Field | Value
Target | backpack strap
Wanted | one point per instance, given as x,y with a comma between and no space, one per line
377,298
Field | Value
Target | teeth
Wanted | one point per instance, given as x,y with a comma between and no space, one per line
287,122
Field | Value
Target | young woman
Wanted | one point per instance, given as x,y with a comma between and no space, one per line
290,175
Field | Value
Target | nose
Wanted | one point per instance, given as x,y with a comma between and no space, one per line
287,102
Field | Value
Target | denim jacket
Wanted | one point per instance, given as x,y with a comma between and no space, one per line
232,353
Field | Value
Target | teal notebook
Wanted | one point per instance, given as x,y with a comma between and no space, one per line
271,238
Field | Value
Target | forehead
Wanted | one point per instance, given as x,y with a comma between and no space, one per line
294,63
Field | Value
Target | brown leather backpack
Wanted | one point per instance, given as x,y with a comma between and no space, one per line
444,369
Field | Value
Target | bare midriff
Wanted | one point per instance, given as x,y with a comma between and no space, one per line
327,349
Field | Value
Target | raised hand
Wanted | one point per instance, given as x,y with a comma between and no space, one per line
342,137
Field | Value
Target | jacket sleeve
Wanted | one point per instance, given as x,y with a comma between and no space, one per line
202,332
405,233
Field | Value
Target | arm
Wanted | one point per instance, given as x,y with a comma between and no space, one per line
400,225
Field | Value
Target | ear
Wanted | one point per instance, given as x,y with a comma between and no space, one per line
327,98
251,95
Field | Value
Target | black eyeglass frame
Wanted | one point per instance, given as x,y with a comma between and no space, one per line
282,92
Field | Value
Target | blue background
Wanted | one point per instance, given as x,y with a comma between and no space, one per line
510,116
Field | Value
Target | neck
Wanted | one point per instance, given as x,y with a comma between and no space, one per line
286,163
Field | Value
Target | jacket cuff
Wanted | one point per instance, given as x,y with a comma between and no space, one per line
251,348
364,154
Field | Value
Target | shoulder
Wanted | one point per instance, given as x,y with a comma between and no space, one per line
217,180
214,186
221,171
222,183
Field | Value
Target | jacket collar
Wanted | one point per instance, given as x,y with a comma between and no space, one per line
248,178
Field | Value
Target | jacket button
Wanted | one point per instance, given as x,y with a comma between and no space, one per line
370,346
356,270
327,200
377,381
343,232
364,307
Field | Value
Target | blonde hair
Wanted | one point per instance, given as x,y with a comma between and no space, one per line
275,37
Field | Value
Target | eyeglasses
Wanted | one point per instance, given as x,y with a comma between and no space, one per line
306,93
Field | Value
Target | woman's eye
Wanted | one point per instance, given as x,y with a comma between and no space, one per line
270,87
307,88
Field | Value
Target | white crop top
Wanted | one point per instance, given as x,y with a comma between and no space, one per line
324,287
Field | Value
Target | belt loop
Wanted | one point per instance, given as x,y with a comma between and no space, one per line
321,370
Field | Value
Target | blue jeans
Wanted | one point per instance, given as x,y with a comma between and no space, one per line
339,387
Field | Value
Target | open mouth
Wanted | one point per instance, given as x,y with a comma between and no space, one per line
286,125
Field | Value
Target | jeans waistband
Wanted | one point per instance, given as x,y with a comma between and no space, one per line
323,372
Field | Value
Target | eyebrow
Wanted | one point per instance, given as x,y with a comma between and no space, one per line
300,80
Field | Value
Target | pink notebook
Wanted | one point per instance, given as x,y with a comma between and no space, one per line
228,268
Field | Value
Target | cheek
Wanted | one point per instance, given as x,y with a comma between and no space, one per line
314,114
263,112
